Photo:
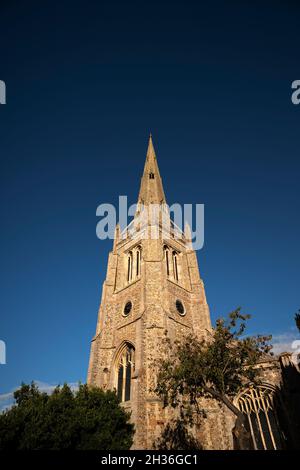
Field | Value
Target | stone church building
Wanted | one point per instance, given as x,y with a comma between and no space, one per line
153,290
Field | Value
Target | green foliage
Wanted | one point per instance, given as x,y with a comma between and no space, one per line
217,367
89,419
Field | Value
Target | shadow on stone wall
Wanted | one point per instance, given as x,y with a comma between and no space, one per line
288,404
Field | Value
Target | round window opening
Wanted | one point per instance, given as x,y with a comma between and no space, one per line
180,308
127,308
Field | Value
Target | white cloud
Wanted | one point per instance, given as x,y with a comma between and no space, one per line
283,342
48,388
7,399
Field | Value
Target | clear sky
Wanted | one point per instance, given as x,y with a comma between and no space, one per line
86,83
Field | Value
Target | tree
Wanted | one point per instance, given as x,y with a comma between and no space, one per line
89,419
214,367
297,319
176,436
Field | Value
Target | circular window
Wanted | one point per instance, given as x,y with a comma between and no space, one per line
180,308
127,308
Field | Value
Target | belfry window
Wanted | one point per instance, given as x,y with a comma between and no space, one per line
133,264
151,175
258,404
175,265
129,267
124,372
138,261
166,251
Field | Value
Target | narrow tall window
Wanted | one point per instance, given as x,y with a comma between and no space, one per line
167,260
124,372
138,261
175,266
120,382
128,382
129,267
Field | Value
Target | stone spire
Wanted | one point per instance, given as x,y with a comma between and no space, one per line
151,190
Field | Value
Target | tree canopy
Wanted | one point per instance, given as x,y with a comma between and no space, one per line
88,419
297,319
216,366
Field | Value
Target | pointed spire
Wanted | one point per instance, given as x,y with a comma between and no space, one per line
151,190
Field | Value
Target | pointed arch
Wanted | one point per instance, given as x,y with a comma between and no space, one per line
175,265
138,260
258,403
129,266
124,368
167,256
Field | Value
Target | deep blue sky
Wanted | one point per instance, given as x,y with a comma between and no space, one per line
86,82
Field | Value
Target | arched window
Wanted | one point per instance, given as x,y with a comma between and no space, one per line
129,267
138,261
175,265
125,368
258,403
166,250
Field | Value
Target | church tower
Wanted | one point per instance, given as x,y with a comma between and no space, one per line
152,290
